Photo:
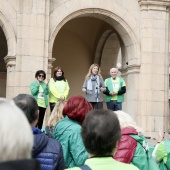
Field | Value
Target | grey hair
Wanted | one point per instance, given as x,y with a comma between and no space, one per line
16,134
126,120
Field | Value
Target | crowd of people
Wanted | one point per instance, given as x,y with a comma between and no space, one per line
79,134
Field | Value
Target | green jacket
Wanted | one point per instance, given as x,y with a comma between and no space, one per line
68,133
142,157
34,88
108,81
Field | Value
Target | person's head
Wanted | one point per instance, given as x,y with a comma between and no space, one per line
101,132
76,108
126,120
15,131
57,113
29,106
58,72
40,75
113,72
94,70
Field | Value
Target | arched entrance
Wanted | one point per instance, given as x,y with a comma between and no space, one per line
3,70
7,56
82,39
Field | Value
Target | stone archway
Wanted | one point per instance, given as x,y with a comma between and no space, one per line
10,58
129,48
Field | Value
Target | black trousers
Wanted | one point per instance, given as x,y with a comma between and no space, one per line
41,117
52,105
97,105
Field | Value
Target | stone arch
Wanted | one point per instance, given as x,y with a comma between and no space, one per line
9,34
128,38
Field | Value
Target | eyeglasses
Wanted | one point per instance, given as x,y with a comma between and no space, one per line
40,75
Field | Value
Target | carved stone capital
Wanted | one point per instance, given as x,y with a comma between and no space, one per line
10,61
50,62
159,5
130,69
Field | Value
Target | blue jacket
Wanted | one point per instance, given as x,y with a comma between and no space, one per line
47,151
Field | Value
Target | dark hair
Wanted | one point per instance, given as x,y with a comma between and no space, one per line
76,108
28,105
40,72
100,132
55,70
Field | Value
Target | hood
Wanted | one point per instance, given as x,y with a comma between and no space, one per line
129,131
40,141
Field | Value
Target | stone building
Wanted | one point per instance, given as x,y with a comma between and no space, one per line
42,34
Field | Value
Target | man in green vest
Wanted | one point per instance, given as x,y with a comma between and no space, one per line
115,89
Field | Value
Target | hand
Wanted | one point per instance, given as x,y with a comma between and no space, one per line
61,97
84,90
48,82
38,82
113,93
102,89
161,135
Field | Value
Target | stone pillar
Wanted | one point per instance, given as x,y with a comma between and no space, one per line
153,80
10,82
131,75
32,43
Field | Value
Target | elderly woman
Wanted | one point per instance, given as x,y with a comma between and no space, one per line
67,131
16,139
39,90
93,86
59,87
101,134
133,147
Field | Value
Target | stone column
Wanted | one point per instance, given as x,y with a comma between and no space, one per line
153,80
10,82
32,42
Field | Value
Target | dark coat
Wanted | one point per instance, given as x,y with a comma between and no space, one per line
25,164
48,151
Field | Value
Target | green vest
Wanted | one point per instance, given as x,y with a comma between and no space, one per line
120,98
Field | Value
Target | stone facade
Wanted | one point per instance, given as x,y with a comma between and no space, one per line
41,34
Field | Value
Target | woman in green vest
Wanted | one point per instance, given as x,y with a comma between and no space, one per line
39,90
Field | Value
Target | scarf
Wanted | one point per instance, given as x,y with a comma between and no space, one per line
90,86
60,78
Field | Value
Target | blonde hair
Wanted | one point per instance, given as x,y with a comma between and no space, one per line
126,120
15,131
56,114
90,71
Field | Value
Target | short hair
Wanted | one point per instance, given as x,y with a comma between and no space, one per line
101,132
40,72
15,131
28,105
57,113
76,108
126,120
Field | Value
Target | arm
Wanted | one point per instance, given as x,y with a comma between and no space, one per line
84,88
66,90
34,88
46,89
102,85
122,90
160,153
77,149
52,89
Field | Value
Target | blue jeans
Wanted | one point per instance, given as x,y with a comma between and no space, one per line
114,105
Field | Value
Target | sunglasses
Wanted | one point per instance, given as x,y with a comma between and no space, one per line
40,75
